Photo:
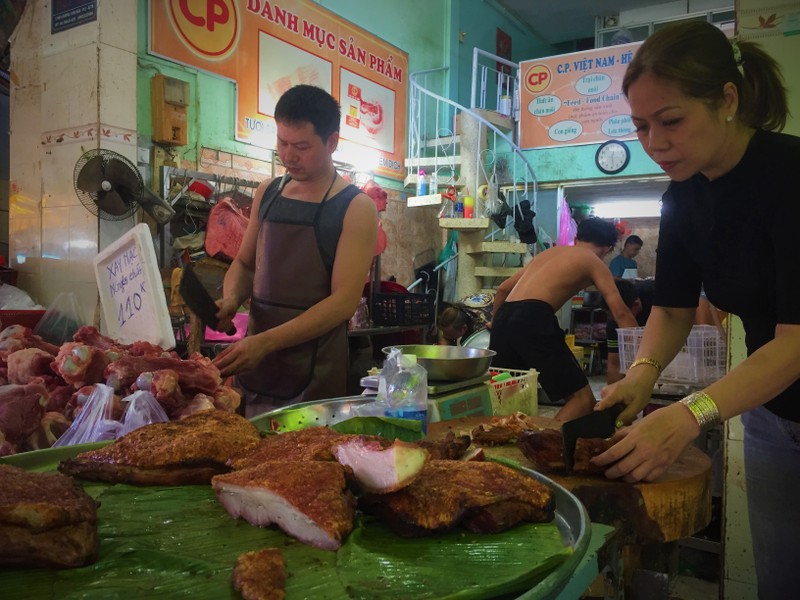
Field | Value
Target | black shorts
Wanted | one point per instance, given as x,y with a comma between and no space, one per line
525,335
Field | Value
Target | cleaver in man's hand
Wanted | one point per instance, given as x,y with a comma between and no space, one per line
199,300
598,424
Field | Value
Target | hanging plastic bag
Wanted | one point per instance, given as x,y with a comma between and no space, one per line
225,232
449,251
62,319
567,227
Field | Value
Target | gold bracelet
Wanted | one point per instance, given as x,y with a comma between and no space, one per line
648,361
704,410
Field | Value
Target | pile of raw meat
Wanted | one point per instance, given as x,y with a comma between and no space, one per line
43,387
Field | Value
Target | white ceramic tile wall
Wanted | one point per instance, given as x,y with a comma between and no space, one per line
69,98
56,116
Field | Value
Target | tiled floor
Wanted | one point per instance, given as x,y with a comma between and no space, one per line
687,585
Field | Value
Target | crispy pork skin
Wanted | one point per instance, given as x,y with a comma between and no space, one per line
260,575
46,520
501,430
378,469
452,447
313,443
310,503
449,491
545,449
183,452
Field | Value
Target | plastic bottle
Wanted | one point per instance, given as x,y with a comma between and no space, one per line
469,207
433,183
407,391
459,209
422,184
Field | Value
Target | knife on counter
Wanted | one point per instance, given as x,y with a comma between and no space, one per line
199,300
598,424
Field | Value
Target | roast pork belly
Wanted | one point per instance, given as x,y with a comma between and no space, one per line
260,575
545,449
184,452
451,447
46,520
313,443
501,430
484,496
311,504
378,469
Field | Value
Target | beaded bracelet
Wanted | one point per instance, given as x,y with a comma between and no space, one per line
648,361
703,408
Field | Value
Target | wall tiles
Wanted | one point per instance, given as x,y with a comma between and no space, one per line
69,96
58,166
117,85
55,241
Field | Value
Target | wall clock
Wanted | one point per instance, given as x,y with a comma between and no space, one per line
612,157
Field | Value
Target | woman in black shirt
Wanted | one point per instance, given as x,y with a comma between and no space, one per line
706,110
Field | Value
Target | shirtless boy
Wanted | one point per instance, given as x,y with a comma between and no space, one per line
525,331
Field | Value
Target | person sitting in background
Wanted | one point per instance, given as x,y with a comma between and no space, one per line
624,260
637,296
463,318
525,331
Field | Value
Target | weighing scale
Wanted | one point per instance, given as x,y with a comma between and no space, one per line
451,399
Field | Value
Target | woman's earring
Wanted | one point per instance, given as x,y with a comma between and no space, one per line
729,118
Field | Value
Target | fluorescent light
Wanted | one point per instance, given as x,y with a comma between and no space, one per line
627,209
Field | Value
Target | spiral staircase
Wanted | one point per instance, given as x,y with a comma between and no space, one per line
474,150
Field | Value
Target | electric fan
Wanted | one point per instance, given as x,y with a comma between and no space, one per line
111,188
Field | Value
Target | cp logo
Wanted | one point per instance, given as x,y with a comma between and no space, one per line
209,28
537,78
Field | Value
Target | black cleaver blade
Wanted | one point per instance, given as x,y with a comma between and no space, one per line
598,424
199,300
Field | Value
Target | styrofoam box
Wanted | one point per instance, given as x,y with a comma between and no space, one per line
131,292
701,361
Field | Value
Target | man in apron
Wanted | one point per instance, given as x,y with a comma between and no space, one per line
305,256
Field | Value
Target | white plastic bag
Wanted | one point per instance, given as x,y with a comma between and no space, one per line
96,423
62,319
143,409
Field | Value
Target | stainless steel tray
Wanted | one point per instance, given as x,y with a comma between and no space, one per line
571,516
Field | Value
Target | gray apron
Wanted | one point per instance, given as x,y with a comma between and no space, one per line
295,249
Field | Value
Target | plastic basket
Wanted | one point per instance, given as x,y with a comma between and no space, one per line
403,309
26,318
700,362
514,391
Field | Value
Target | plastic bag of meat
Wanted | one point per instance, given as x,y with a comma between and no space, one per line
225,231
96,422
143,409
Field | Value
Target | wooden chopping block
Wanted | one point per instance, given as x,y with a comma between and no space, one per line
676,505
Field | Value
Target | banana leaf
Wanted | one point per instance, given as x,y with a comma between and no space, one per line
173,542
375,563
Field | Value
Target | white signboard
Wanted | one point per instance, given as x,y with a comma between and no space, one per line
131,293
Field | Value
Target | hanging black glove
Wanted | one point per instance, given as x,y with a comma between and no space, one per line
523,222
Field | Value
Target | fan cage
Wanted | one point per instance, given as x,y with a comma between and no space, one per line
89,199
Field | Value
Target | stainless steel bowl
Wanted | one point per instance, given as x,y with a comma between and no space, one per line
449,363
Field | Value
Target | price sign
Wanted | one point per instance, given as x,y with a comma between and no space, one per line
131,293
